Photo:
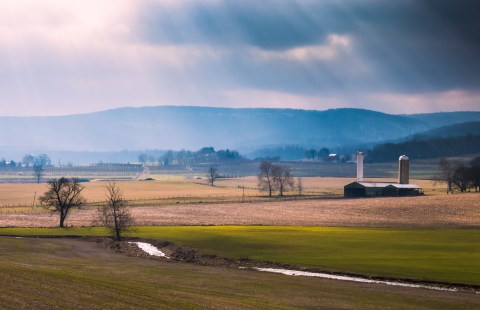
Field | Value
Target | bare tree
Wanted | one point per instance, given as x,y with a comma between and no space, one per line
475,173
39,164
462,178
212,175
282,178
299,186
62,196
446,171
265,178
115,213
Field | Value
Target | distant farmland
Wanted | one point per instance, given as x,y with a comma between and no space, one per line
420,169
170,189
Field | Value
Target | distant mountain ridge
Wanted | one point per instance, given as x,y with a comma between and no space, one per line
177,127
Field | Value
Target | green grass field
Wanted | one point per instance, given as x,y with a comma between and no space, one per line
72,274
428,254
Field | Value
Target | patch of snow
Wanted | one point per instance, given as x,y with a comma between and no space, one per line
150,249
353,279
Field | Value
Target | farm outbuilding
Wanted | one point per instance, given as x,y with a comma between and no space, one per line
361,188
372,189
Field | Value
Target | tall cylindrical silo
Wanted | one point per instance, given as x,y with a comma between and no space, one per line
359,166
403,169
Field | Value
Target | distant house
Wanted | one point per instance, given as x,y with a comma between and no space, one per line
333,158
372,189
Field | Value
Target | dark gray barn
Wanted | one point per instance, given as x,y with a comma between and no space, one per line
372,189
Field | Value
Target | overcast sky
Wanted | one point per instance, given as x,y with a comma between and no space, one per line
77,56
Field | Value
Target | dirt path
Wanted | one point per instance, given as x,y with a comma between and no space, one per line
142,175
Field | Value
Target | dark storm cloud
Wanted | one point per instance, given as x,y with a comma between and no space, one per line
422,45
426,45
404,56
259,23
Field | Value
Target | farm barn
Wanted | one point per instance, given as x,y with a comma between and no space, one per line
361,188
371,189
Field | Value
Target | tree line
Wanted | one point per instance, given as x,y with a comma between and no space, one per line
295,152
460,175
185,157
425,148
37,163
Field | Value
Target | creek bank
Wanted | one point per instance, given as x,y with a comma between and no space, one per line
181,253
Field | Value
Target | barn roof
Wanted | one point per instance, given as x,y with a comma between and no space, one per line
368,184
397,185
382,185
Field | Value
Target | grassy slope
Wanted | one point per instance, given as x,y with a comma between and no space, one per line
441,255
66,274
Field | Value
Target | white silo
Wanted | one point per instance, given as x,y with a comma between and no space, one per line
359,166
403,169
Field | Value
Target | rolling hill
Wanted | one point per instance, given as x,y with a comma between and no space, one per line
193,127
176,127
462,129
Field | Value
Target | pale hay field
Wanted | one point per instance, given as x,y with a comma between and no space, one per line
438,211
175,186
95,191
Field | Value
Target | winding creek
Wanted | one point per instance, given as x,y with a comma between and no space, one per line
154,251
353,279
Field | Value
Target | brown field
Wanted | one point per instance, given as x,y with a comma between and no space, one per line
175,186
442,211
428,211
14,194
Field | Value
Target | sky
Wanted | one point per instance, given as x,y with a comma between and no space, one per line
409,56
